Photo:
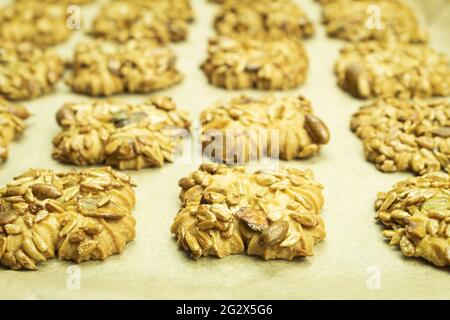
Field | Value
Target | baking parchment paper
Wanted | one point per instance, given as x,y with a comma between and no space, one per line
353,262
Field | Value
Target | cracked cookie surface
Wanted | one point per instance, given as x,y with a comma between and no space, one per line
377,69
123,135
273,19
245,128
27,71
272,214
401,135
364,20
242,63
78,215
416,214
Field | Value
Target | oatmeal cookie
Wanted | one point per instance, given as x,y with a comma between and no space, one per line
161,21
11,125
357,20
27,71
78,215
272,214
405,135
33,21
126,136
388,69
102,68
246,128
241,63
416,213
263,19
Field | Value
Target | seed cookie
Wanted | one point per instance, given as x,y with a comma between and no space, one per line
103,68
12,125
245,128
27,71
376,69
400,135
272,214
123,135
242,63
364,20
160,21
43,24
78,215
273,19
416,213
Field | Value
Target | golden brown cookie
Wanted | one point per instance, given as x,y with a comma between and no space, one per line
275,19
102,68
390,69
12,125
416,213
245,128
43,24
272,214
242,62
402,135
123,135
78,215
160,21
362,20
27,71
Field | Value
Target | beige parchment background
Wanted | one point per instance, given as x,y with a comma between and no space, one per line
152,267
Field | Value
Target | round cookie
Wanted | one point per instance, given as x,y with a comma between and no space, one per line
274,19
243,63
12,125
27,71
126,136
78,215
405,135
362,20
416,214
272,214
245,128
43,24
389,69
102,68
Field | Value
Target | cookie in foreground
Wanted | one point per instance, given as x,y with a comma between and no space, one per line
272,214
416,214
102,68
362,20
77,215
120,134
405,135
27,71
274,19
246,128
12,125
392,69
242,62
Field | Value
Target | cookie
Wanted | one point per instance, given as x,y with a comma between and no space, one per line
64,2
27,71
161,21
416,214
12,125
33,21
242,63
272,214
377,69
102,68
78,215
362,20
123,135
275,19
245,128
403,135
